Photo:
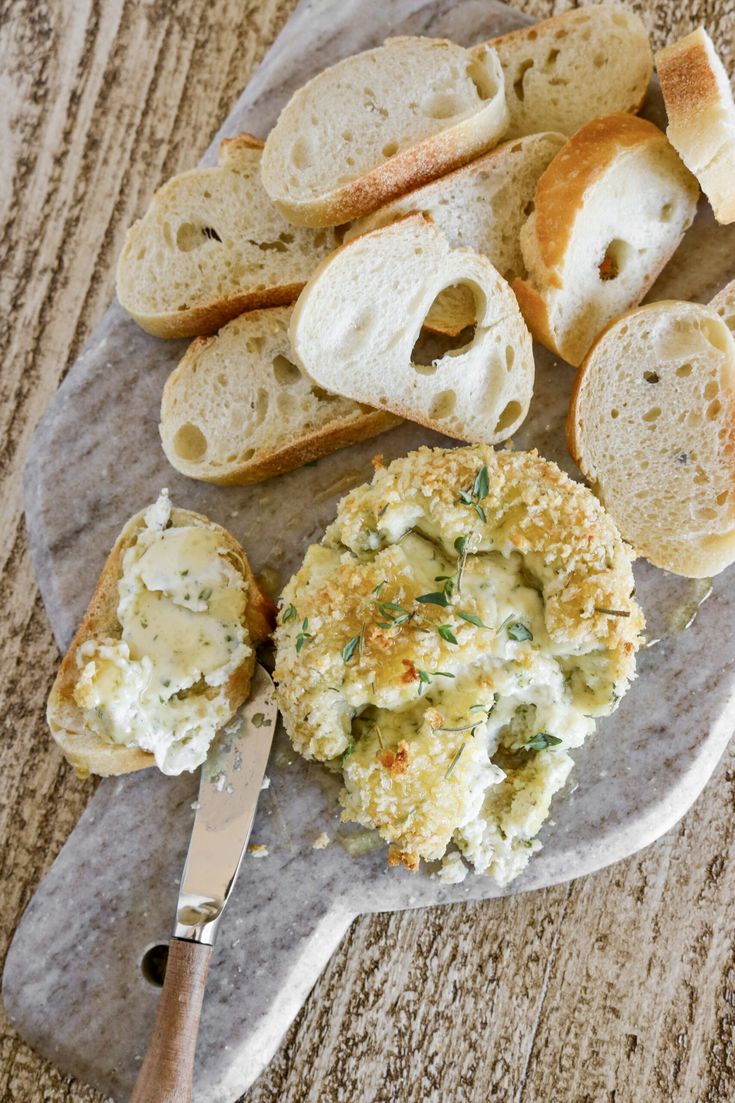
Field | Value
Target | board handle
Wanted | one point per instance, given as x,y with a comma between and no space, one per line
168,1067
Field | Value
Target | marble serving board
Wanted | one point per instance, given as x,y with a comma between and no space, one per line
73,984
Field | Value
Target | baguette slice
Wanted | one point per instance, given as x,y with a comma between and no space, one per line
611,209
84,749
724,305
482,206
561,73
652,427
237,410
701,111
212,245
376,291
379,123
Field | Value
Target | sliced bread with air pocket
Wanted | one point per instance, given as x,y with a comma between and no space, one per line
375,293
701,111
237,409
212,245
652,427
564,71
379,123
610,210
482,206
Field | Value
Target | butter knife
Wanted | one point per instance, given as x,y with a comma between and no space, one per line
230,784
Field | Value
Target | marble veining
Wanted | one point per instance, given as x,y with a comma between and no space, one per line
73,974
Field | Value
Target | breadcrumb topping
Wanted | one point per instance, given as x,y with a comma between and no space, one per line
462,622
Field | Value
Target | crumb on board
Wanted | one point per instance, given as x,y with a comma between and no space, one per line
321,841
258,850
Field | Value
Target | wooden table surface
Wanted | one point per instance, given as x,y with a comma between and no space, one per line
616,987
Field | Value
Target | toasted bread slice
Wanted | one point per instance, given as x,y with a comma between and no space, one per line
652,427
376,291
86,750
701,111
237,409
724,304
379,123
611,209
562,72
212,245
483,206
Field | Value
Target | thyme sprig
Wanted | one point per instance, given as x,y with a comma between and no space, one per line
541,741
304,635
480,488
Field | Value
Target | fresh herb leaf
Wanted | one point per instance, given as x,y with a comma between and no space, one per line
471,618
612,612
351,647
377,589
437,598
288,614
518,632
205,594
303,635
349,749
454,761
541,741
460,545
393,606
480,513
424,676
466,497
446,633
481,484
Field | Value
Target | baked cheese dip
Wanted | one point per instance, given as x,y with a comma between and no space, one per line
162,685
455,634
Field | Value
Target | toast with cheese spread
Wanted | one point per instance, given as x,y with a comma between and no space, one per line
165,652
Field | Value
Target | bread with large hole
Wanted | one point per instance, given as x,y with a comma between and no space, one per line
356,324
652,427
562,72
482,206
237,409
165,652
701,112
611,209
379,123
212,245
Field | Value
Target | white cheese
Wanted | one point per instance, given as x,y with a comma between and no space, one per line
180,609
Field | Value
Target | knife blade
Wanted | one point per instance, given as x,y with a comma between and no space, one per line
229,788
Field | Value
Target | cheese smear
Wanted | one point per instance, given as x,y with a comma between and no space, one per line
160,686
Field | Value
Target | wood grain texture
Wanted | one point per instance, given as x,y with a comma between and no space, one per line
168,1066
619,987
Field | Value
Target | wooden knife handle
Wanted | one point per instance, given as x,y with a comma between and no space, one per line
167,1070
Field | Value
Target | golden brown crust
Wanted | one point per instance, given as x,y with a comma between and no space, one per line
429,159
318,443
579,164
535,313
243,140
204,321
688,82
84,750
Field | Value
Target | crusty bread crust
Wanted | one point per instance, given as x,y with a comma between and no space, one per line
535,313
84,749
695,103
320,442
426,161
577,166
204,321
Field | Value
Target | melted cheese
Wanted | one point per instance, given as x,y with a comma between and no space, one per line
181,613
451,719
